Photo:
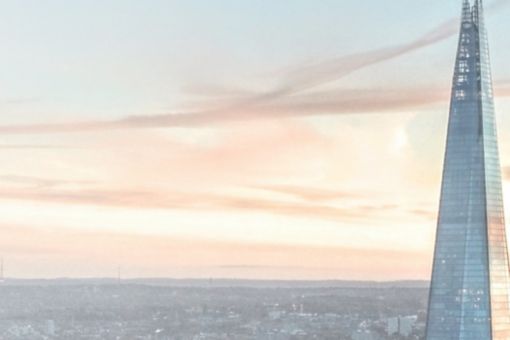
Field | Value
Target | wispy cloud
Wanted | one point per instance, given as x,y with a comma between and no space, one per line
38,182
327,71
310,193
43,191
19,101
30,147
341,101
281,101
332,102
289,99
28,181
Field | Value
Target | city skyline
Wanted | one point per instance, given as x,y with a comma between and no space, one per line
236,140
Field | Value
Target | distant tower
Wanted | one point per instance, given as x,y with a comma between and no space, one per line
2,279
469,294
119,279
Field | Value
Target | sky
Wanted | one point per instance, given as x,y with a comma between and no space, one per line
229,138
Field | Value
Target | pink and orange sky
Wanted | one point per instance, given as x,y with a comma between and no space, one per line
237,139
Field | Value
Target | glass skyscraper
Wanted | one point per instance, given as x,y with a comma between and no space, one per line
469,295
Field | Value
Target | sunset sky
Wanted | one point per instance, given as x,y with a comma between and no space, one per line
230,138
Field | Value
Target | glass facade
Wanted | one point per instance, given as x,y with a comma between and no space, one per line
469,295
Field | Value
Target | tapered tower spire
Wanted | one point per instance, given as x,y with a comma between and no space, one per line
469,295
466,11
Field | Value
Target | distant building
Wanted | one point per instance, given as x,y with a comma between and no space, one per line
275,314
50,327
364,335
469,294
402,325
392,326
407,325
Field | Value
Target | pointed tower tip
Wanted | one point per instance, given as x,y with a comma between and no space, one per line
478,12
478,4
466,11
472,10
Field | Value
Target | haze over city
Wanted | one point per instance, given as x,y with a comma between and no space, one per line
229,139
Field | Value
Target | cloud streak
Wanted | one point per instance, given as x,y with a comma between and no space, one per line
309,194
287,99
332,102
328,71
37,182
29,147
207,202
